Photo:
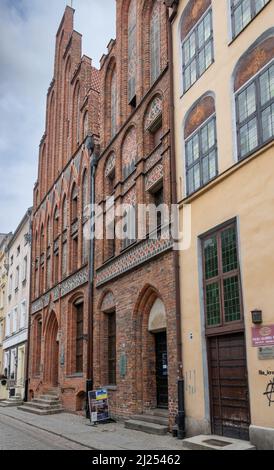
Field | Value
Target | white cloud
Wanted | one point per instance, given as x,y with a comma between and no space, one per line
27,44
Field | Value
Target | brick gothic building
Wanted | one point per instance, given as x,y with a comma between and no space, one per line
135,337
59,310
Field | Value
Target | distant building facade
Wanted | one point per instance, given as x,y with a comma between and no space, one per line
4,260
17,293
223,56
58,356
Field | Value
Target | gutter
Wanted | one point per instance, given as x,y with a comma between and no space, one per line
180,418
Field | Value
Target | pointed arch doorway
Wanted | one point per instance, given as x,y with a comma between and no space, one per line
52,352
157,327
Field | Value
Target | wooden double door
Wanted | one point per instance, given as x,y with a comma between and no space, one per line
228,382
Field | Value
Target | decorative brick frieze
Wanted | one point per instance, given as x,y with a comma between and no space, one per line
128,183
154,176
64,288
153,158
136,256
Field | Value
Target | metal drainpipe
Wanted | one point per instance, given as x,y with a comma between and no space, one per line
90,145
180,418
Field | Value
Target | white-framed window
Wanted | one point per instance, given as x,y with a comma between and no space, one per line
17,275
14,320
201,156
197,50
8,325
243,11
23,315
25,268
255,112
10,284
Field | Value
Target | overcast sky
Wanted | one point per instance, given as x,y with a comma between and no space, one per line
27,42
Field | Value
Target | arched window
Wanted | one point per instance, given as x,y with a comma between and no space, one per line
42,258
56,244
200,144
129,152
197,40
55,223
155,41
254,95
76,114
37,258
132,51
37,332
85,125
66,128
153,124
48,273
75,339
64,237
74,228
113,107
85,201
74,203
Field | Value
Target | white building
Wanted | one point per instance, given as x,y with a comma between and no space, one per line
17,307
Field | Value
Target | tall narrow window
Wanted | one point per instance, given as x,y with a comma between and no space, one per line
37,343
113,109
111,325
243,11
79,312
85,125
76,114
64,237
85,201
155,41
132,51
201,144
48,280
56,224
74,203
197,49
255,112
222,277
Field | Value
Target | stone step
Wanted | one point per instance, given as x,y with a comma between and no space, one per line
10,403
203,442
44,406
158,412
148,418
46,401
149,428
37,411
48,397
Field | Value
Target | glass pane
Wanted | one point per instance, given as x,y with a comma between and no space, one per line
247,102
242,15
197,178
208,54
267,85
205,167
190,182
211,257
212,165
268,123
259,4
192,149
229,250
202,62
213,310
232,299
248,137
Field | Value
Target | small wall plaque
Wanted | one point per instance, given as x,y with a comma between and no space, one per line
265,352
123,365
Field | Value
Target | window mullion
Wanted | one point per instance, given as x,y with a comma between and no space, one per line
221,286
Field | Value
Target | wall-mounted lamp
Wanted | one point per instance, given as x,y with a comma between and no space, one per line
257,316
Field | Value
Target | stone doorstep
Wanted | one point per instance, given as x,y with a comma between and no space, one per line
37,411
212,442
147,418
149,428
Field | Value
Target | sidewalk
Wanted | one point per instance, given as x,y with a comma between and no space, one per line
111,436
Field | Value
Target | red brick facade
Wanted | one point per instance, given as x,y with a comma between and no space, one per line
129,280
134,166
58,357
